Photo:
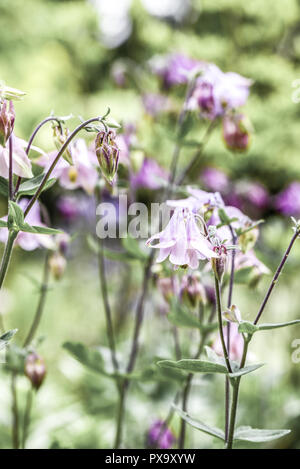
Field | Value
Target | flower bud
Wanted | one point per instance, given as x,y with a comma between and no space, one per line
166,286
7,121
60,136
236,132
57,264
62,241
219,263
192,290
35,370
107,153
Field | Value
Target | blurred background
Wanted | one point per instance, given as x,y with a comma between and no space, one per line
73,57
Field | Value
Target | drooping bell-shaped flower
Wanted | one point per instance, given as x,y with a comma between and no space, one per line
236,132
160,436
21,162
35,370
7,121
107,153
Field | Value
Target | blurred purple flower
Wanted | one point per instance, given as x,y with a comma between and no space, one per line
159,436
174,69
155,103
29,241
150,176
125,141
68,207
214,179
288,201
82,174
236,132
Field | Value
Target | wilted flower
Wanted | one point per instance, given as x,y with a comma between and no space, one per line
214,179
35,370
21,162
150,176
7,121
57,265
29,241
107,153
160,436
288,201
182,241
236,132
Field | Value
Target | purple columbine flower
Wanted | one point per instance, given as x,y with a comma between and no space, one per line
217,92
21,162
29,241
81,174
150,176
214,179
160,436
288,201
182,241
174,69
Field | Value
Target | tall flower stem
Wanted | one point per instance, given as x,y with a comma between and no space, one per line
10,170
236,388
26,422
220,321
15,412
7,256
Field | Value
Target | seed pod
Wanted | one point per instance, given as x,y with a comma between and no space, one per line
7,121
219,264
35,370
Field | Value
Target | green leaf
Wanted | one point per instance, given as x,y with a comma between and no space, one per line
244,275
245,370
131,245
182,317
15,214
7,336
30,186
193,366
3,224
89,357
108,253
3,186
212,431
266,327
39,229
258,435
247,327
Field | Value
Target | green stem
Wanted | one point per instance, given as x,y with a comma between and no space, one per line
220,321
7,255
26,422
15,412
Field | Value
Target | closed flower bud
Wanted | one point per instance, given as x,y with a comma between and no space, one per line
60,136
219,263
35,370
7,121
57,264
107,153
236,132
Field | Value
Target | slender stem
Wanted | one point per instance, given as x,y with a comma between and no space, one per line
15,412
275,278
198,153
27,415
235,397
120,415
220,321
41,303
10,170
30,141
7,256
55,161
228,327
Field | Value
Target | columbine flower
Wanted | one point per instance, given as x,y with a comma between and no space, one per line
125,141
182,241
35,370
288,201
81,174
150,176
7,121
219,263
174,69
155,104
29,241
214,179
159,436
21,162
217,92
236,132
107,153
192,290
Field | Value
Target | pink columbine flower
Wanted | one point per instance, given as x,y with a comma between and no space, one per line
214,179
21,162
82,174
159,436
174,69
29,241
182,241
288,201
